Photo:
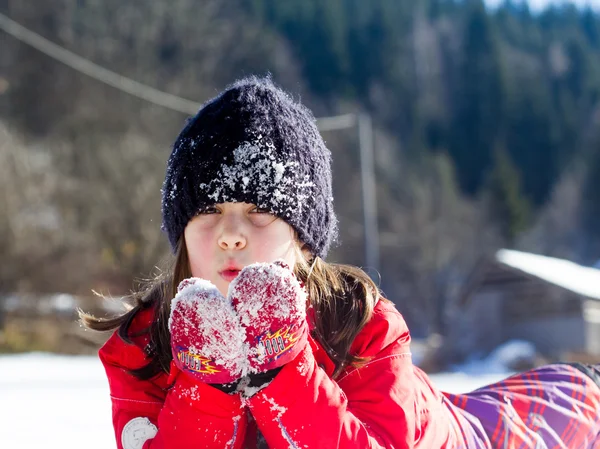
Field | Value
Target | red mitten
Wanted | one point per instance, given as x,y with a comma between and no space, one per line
207,340
271,306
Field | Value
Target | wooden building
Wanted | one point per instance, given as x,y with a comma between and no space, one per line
552,303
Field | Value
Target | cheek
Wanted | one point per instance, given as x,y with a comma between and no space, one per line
200,254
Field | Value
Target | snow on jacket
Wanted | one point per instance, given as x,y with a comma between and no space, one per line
386,403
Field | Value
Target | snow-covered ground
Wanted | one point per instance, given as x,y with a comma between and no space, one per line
60,402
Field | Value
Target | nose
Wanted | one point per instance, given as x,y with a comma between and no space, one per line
232,235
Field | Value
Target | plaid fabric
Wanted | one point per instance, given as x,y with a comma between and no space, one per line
552,407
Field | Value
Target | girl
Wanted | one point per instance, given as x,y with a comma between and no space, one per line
254,341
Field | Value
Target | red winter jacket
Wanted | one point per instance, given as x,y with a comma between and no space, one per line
387,403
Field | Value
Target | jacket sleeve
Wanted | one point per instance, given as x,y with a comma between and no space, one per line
369,407
147,415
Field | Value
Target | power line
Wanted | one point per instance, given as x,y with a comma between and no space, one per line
129,85
97,72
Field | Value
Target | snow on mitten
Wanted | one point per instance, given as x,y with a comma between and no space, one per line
207,340
271,306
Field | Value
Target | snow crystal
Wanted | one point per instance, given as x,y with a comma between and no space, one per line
191,393
255,169
209,325
303,368
251,391
279,170
266,287
246,390
275,407
208,322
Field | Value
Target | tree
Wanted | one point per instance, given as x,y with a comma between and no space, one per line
557,229
431,238
532,136
478,100
505,202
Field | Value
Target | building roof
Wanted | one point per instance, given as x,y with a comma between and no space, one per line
584,281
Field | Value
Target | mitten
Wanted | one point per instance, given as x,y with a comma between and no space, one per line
271,306
207,340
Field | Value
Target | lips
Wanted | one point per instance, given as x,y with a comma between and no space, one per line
229,274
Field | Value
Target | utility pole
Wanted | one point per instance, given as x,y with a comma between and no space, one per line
369,191
367,176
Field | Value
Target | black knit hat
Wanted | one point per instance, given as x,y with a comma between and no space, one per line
252,143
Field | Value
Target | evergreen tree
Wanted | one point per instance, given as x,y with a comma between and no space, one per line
318,31
591,27
532,136
505,201
478,100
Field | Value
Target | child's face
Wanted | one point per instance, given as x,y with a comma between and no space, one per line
224,238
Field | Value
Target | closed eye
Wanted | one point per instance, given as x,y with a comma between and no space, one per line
209,210
261,216
260,210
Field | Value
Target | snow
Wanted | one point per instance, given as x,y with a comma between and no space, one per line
582,280
500,359
270,303
62,402
539,5
202,335
275,407
200,315
54,402
255,168
269,286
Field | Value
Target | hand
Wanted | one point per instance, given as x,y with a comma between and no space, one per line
271,306
207,340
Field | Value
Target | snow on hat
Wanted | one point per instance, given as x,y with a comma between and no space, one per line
252,143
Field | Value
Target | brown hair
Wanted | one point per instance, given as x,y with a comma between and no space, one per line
343,298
